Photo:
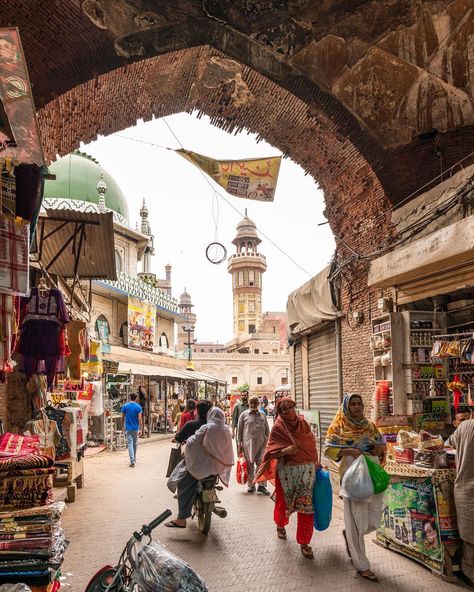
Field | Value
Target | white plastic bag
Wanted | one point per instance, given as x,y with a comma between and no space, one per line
158,570
178,474
357,482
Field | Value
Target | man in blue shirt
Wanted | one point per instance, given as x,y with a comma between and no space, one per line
132,417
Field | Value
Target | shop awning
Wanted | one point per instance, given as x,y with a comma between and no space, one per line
74,244
311,304
438,263
163,372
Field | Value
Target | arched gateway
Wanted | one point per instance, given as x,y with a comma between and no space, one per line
373,99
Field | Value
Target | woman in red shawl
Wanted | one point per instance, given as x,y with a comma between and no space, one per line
290,459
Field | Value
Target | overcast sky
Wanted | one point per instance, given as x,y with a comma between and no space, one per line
184,214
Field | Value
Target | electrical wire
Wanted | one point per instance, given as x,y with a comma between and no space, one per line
206,178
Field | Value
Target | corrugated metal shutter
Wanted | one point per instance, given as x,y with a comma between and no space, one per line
442,282
323,382
298,377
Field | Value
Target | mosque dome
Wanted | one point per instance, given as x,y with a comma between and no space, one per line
185,299
77,176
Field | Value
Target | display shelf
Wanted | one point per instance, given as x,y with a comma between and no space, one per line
386,345
417,389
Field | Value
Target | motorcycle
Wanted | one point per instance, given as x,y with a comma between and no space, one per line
147,567
206,502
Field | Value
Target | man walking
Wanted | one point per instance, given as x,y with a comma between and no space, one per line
132,417
240,407
252,436
463,442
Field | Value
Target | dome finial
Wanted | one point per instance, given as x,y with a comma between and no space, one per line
101,189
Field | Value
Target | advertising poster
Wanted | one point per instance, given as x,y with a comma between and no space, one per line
18,105
250,178
141,324
408,517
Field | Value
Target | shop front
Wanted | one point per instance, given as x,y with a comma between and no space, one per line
422,346
313,323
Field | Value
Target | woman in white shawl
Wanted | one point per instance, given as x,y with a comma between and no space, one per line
208,452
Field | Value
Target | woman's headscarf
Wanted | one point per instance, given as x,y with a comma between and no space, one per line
347,432
210,451
285,432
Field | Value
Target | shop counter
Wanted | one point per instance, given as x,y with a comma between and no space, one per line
419,517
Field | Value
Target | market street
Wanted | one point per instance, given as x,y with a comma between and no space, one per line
241,553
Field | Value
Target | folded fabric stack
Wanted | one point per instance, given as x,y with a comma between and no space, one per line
26,479
32,545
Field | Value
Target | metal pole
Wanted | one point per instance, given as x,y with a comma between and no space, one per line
166,411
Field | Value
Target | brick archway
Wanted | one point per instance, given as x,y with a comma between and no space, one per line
235,97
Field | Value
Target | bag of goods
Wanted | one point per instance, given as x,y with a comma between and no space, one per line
241,471
430,459
408,440
322,499
380,477
430,442
386,359
357,483
403,455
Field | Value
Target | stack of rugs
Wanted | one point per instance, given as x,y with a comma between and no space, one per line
32,543
26,475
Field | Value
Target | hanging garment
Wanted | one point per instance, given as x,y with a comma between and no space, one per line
75,338
6,322
97,404
62,420
47,430
14,254
42,316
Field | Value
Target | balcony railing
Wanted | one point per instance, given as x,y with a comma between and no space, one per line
139,289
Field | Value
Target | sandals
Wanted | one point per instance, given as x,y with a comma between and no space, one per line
173,524
368,575
307,552
281,533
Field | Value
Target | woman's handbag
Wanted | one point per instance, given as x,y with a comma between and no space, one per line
175,458
322,499
241,470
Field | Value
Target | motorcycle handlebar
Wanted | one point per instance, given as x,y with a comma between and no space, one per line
147,528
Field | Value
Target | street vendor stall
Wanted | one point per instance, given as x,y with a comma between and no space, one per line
419,516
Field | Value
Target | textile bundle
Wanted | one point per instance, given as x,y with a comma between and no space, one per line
32,544
26,476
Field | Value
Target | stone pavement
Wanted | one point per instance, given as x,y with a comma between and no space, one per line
240,554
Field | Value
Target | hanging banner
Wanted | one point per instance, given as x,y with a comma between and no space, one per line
141,324
254,178
18,105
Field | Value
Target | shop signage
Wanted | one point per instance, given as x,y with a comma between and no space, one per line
18,101
141,324
250,178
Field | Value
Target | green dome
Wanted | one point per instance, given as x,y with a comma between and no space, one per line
77,175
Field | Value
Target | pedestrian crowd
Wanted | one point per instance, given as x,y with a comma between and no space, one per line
286,455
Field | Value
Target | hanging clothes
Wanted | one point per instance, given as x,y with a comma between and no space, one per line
75,339
6,330
42,316
48,432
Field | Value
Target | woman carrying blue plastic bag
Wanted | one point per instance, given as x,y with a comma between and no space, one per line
349,436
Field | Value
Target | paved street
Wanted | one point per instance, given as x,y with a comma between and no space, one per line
241,553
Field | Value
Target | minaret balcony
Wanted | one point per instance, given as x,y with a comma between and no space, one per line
243,259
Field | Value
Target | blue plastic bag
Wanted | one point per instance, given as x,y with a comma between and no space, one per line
322,499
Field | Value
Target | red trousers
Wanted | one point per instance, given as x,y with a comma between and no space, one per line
304,530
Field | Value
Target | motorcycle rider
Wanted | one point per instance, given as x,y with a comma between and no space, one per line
208,452
191,427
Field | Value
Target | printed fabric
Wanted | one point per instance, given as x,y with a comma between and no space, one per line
14,254
16,444
20,463
297,482
346,432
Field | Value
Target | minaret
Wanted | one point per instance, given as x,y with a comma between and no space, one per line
185,310
146,230
247,266
101,189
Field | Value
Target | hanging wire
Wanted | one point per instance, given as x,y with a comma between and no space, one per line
206,178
